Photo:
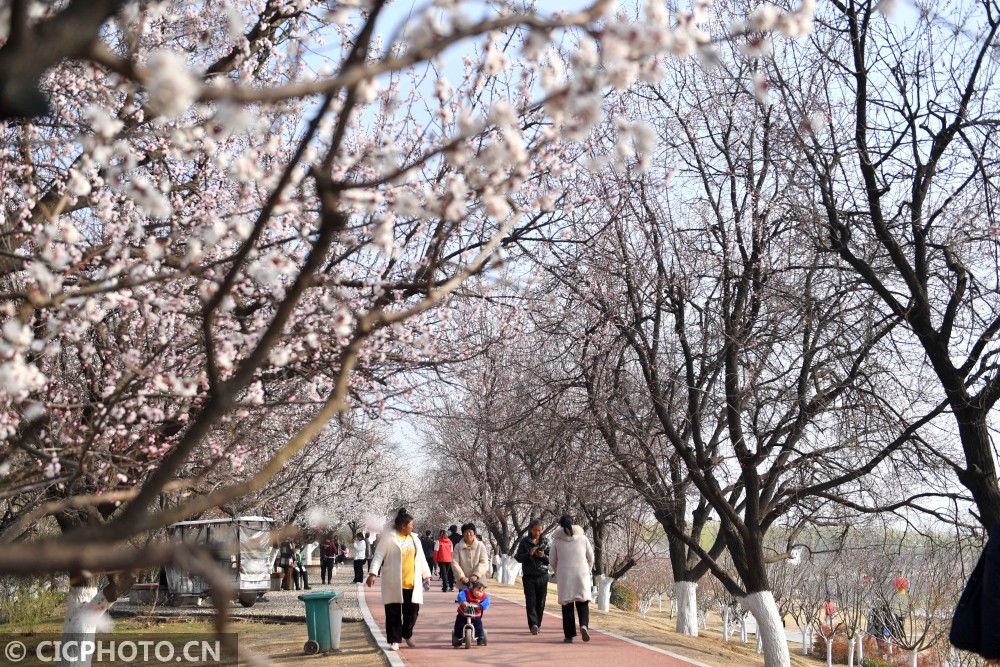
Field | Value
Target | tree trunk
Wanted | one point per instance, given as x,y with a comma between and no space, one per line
686,597
850,651
85,609
914,656
603,593
861,649
769,628
806,631
829,652
725,623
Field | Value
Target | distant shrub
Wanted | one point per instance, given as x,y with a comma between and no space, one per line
26,606
624,596
873,662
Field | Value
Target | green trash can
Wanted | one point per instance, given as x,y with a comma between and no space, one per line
318,621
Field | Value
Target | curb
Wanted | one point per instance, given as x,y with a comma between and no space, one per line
627,640
393,657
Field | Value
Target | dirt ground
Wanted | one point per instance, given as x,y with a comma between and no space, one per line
280,642
283,645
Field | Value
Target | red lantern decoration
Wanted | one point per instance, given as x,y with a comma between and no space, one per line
901,584
830,608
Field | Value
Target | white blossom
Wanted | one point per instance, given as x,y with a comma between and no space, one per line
105,127
343,322
77,184
17,335
182,387
383,237
52,468
148,197
172,88
18,379
280,356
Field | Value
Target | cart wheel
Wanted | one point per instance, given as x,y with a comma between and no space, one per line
311,648
468,637
248,599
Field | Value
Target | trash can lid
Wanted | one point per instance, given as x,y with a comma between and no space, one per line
318,595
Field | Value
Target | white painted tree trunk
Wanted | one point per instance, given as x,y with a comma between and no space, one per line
760,644
850,651
85,609
725,623
744,637
686,595
806,631
507,572
769,628
829,652
914,655
603,593
861,649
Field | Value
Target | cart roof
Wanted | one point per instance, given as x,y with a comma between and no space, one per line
238,519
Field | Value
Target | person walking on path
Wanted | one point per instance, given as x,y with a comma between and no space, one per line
327,558
360,549
454,535
400,560
572,559
443,554
470,558
427,543
533,555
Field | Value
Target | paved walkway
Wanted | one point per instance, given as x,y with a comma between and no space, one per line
510,643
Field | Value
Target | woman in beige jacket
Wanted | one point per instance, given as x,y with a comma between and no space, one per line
470,558
571,557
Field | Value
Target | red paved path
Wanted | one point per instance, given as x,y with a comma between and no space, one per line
510,643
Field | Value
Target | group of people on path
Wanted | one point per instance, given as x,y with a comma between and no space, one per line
331,553
404,562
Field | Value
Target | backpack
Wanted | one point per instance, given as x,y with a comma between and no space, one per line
444,551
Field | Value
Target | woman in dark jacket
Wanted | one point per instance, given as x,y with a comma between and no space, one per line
533,555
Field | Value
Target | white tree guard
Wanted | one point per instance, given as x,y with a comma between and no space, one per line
769,628
686,596
604,593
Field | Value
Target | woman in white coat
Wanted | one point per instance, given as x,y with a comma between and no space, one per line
400,560
571,557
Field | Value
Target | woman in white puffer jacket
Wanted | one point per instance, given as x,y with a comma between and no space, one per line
572,559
